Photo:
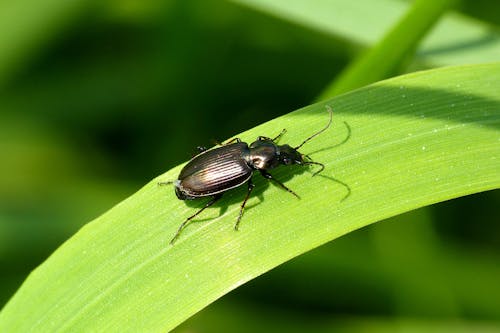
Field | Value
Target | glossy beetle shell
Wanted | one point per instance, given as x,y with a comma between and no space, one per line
214,171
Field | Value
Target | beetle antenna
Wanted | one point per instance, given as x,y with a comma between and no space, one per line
165,183
319,132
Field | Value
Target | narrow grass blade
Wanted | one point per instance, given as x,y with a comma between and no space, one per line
416,140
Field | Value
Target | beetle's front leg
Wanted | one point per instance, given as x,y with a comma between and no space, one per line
275,139
267,175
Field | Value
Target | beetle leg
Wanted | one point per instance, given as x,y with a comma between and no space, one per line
230,141
283,131
275,139
181,227
267,175
242,207
238,140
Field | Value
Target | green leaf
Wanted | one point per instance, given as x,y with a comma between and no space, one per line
416,140
384,60
456,40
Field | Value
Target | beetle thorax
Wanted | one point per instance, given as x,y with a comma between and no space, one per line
263,155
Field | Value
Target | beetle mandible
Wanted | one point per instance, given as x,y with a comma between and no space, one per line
214,171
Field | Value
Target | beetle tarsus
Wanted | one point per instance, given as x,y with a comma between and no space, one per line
267,175
238,140
242,207
275,139
181,227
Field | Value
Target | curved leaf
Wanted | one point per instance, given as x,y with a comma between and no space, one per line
416,140
456,40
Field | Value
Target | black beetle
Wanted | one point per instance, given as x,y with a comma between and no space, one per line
215,171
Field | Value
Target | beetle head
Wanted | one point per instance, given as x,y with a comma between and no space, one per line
266,154
288,155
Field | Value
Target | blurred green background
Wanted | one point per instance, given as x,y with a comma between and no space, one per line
97,98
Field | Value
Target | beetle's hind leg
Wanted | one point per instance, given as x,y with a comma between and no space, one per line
237,140
242,207
181,227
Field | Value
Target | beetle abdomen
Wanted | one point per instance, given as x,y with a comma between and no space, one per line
214,171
